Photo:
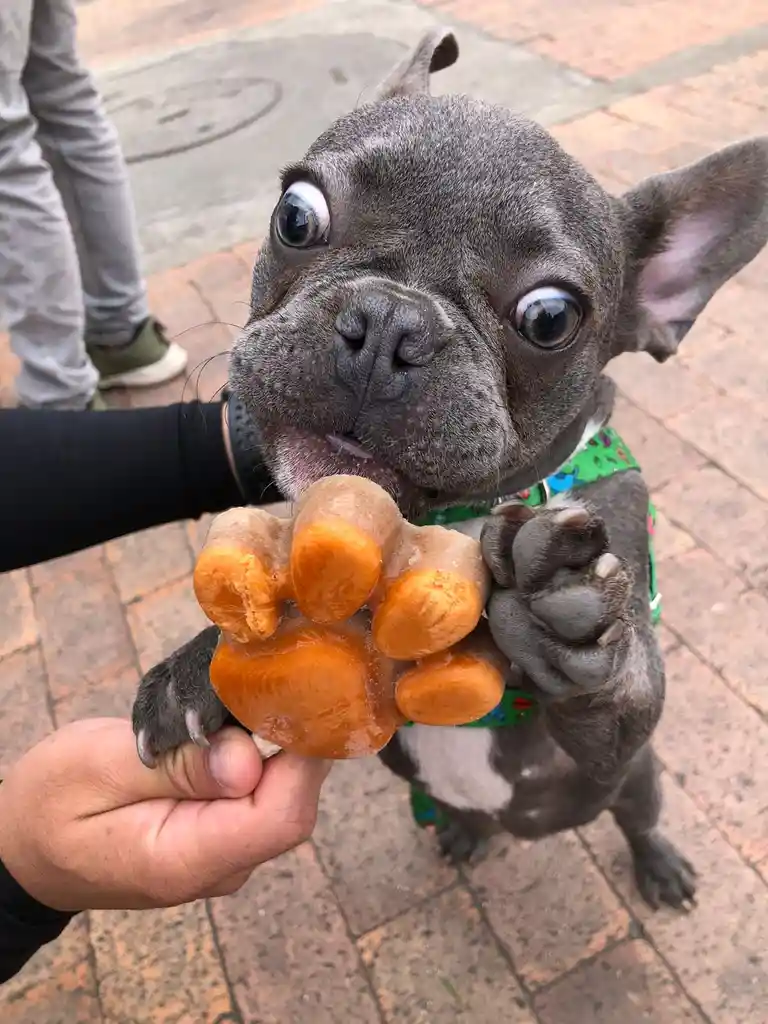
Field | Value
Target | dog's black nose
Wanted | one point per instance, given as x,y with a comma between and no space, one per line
381,334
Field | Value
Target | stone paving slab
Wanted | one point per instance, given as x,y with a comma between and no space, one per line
365,923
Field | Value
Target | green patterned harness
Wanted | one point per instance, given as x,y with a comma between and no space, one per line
604,455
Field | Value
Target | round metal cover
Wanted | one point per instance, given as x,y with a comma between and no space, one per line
180,116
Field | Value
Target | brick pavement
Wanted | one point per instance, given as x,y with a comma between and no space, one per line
364,923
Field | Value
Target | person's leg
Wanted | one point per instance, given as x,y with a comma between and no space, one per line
40,291
84,152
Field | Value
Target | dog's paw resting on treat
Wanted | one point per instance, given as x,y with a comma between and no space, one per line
338,625
559,611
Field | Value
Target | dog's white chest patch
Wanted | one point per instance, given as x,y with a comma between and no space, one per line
455,767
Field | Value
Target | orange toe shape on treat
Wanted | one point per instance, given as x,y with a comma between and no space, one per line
449,689
425,611
311,690
237,591
335,567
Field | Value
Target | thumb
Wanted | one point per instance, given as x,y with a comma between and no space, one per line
230,767
234,836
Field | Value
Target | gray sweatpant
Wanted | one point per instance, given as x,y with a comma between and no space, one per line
69,263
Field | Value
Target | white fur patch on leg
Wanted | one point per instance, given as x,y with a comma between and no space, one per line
454,765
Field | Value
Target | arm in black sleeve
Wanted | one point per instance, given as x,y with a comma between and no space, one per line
69,480
25,925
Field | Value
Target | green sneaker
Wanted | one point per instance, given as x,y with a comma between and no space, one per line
147,360
97,403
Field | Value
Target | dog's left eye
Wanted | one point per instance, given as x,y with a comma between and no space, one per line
547,317
302,218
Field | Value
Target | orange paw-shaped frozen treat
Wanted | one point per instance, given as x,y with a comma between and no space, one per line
345,621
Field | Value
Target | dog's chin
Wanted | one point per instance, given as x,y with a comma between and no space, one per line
300,458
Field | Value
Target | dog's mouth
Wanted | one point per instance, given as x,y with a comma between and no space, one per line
301,458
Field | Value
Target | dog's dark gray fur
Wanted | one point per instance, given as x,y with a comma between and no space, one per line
395,331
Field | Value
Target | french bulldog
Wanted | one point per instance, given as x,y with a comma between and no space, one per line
440,292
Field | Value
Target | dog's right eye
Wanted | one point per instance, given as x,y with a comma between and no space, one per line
302,218
548,317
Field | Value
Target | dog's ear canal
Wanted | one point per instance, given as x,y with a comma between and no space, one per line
688,232
437,49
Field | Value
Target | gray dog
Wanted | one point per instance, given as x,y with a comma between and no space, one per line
440,292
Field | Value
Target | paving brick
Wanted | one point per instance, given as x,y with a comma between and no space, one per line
670,540
114,32
24,714
718,950
224,280
732,434
57,986
548,904
159,966
112,698
630,984
191,322
739,309
379,862
18,627
723,515
739,365
662,389
248,251
667,639
85,641
620,152
661,454
287,950
440,963
9,368
717,748
177,302
197,531
163,621
711,608
144,561
600,42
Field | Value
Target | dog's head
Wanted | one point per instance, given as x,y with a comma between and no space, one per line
443,285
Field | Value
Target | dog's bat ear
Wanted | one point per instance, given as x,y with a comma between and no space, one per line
688,232
437,49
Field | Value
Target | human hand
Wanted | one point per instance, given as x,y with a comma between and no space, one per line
84,825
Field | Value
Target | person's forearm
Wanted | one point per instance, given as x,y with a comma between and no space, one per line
70,480
25,925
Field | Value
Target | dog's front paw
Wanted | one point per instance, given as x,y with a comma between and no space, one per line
559,610
176,702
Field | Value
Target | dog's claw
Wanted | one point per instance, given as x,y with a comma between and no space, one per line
146,756
607,566
194,724
574,518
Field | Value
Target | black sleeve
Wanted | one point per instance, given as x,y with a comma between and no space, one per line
69,480
25,925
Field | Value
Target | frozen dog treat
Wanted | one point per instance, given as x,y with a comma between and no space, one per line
345,621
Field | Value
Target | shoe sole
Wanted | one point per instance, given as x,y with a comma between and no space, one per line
171,365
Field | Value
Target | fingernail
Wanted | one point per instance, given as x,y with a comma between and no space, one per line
225,761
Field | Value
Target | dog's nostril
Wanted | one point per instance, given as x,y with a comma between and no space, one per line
353,328
399,358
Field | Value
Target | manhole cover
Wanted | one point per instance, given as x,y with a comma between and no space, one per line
157,119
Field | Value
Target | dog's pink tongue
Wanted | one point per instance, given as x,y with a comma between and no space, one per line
302,459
